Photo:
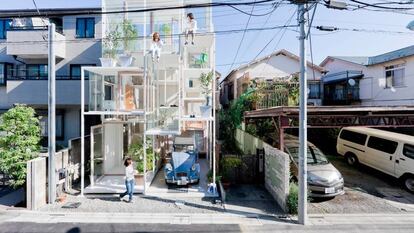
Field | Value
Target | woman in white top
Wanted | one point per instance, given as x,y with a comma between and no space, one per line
191,27
129,179
156,46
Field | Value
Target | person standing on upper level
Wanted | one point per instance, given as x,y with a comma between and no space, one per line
191,27
156,46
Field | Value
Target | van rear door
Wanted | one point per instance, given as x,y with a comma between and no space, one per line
381,154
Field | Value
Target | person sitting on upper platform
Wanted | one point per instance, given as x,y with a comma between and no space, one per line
190,28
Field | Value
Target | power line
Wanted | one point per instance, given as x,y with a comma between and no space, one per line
217,32
168,8
242,39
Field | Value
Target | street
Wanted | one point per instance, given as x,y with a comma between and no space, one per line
225,228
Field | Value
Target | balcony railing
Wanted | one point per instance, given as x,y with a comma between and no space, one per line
58,77
58,29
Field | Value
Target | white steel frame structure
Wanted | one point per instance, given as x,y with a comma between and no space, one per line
156,91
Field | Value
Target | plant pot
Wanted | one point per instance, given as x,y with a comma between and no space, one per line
205,111
139,179
125,60
107,62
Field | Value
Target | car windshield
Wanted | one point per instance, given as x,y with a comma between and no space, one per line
315,156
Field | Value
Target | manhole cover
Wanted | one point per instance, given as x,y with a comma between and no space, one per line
181,220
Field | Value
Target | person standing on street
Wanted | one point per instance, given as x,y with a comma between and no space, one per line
129,180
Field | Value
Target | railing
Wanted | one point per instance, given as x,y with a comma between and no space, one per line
273,98
58,77
34,28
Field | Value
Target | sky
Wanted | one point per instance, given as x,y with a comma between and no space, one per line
339,43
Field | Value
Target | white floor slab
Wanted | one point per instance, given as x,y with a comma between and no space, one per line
111,184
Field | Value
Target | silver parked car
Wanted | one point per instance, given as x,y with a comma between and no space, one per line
324,180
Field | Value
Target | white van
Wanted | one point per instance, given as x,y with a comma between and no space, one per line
388,152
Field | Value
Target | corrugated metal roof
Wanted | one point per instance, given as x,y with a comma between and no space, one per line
374,60
354,59
390,56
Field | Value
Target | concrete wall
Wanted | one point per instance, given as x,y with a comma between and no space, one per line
34,92
277,166
36,180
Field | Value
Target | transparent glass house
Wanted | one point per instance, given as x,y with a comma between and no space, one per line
147,102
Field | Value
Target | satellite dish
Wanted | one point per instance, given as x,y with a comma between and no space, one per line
410,26
351,82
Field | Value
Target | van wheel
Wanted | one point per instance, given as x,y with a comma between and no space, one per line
408,182
351,159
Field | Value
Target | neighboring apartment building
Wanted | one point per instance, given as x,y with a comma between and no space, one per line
278,65
24,59
382,80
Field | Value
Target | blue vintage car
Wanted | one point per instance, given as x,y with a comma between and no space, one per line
182,169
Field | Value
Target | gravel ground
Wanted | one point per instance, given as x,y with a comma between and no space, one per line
142,204
366,191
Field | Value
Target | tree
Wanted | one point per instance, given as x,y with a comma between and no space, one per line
19,142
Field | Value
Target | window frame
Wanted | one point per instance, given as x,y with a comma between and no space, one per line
355,133
392,69
60,118
404,151
6,67
85,29
376,147
80,67
3,35
38,77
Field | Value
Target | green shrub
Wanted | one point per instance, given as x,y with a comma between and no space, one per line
19,142
292,199
136,152
229,166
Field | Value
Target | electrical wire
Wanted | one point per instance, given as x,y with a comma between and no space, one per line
242,39
168,8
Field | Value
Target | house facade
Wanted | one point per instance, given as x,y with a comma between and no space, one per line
149,101
279,65
382,80
24,59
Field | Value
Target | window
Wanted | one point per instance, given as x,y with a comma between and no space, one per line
354,137
383,145
36,71
408,151
85,27
314,90
59,125
109,93
394,76
4,26
75,71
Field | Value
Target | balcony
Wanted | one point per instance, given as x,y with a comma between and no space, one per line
34,91
31,43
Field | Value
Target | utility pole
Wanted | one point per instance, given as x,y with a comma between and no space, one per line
51,114
303,99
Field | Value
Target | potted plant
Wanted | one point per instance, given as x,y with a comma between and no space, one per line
229,167
129,34
110,47
206,80
136,152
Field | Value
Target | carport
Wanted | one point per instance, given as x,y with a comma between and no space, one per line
333,117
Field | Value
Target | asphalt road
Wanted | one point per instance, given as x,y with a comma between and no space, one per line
123,228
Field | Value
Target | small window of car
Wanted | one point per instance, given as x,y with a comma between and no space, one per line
382,144
354,137
408,151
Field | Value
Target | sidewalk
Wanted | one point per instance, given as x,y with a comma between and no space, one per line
202,218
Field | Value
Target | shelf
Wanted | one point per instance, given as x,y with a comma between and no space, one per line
194,99
197,118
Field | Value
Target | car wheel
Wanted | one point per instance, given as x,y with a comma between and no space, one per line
408,182
351,159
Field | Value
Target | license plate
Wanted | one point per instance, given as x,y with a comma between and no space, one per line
182,181
330,190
